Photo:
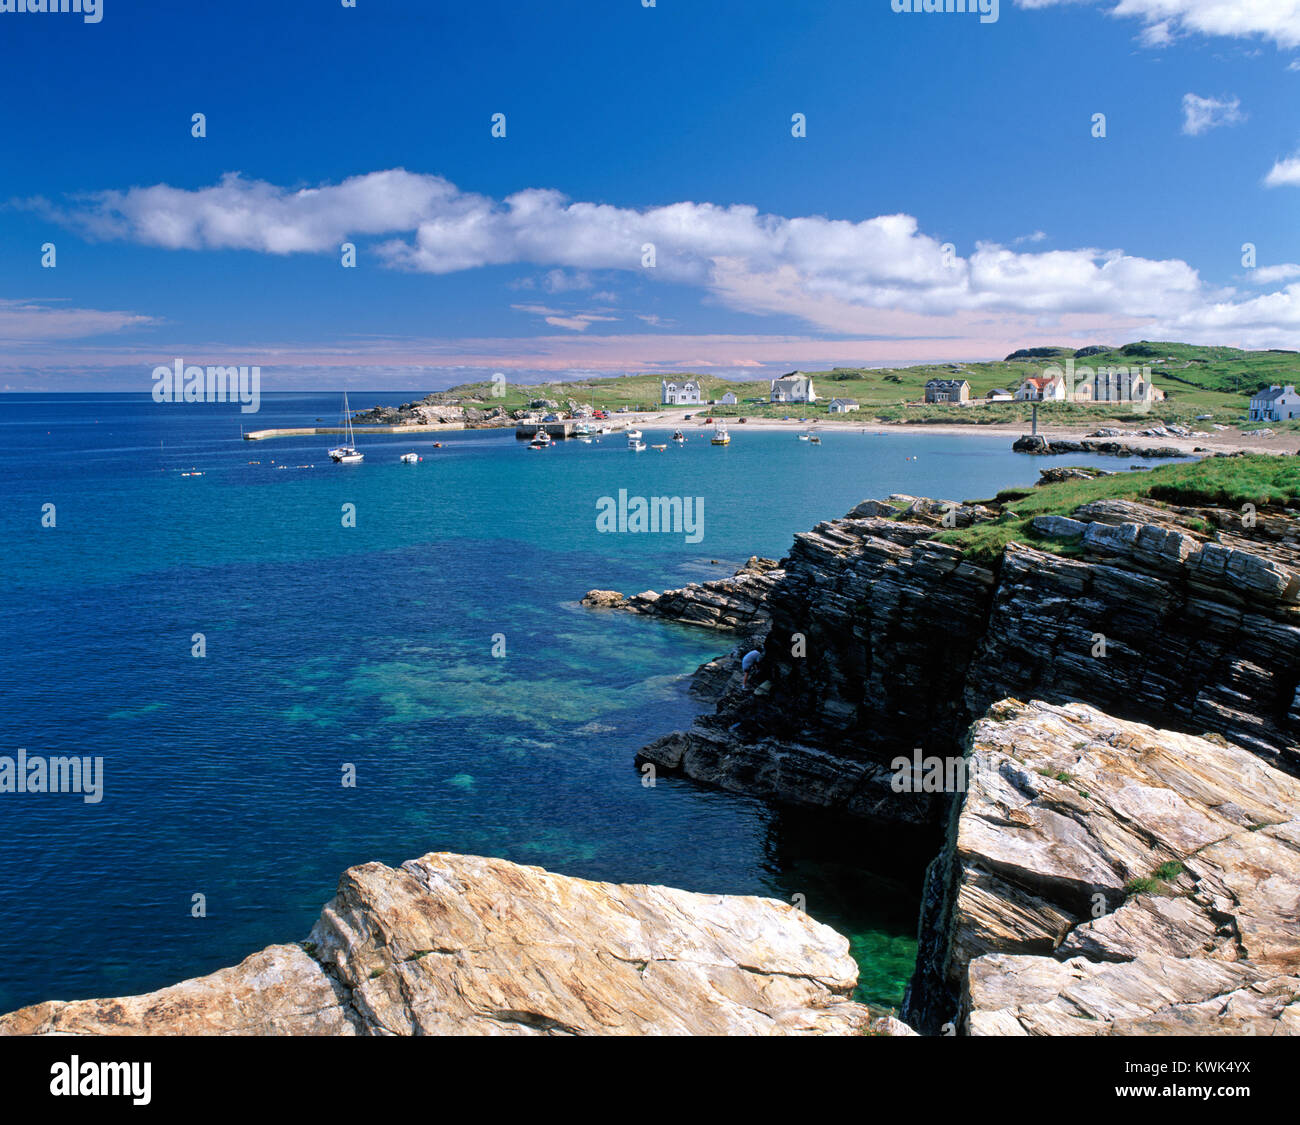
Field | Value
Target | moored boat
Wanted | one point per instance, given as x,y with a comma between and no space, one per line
346,454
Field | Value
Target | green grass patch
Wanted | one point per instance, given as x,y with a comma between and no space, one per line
1222,482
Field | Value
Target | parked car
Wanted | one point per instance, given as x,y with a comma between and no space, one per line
686,417
742,420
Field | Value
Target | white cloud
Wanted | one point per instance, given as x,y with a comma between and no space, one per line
25,321
559,318
880,275
1200,114
1156,35
1278,20
1284,173
561,281
1270,275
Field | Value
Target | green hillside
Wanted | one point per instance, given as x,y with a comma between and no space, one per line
1196,380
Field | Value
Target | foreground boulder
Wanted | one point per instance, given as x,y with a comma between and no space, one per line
456,945
1105,877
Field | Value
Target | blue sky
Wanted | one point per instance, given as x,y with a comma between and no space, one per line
627,125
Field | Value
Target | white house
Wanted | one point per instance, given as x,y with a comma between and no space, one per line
999,394
1273,404
685,393
728,399
1041,388
793,388
843,405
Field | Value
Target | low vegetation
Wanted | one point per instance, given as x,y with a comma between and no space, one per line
1221,482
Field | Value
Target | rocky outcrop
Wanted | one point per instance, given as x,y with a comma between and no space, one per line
452,944
436,409
1106,877
735,604
1036,443
883,640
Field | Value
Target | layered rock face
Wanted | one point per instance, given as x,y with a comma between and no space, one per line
736,604
1106,877
882,641
452,944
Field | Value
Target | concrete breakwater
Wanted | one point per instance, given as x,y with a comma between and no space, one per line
310,431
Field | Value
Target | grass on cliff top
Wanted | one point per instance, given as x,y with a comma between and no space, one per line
1221,482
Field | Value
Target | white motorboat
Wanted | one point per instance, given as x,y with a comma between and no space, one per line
720,436
541,440
410,458
634,435
635,443
346,454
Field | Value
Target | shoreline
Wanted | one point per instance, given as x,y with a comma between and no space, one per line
1216,441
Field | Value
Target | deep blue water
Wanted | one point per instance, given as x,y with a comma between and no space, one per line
373,646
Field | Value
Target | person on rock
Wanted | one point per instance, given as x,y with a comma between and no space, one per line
747,664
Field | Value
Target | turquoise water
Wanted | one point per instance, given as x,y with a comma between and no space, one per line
374,646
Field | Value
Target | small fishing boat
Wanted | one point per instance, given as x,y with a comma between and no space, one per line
541,440
720,436
678,435
635,443
815,440
659,448
634,435
582,430
805,436
346,454
410,458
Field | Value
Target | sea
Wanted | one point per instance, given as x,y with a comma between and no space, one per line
288,667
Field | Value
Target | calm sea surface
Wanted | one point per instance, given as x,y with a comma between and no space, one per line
373,645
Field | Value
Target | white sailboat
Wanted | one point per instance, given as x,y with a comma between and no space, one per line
346,454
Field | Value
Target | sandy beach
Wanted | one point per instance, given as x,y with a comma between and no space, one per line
1225,441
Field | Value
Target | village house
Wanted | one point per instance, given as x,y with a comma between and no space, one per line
729,399
793,388
1116,384
843,405
999,394
1275,403
947,390
684,393
1041,388
1103,384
